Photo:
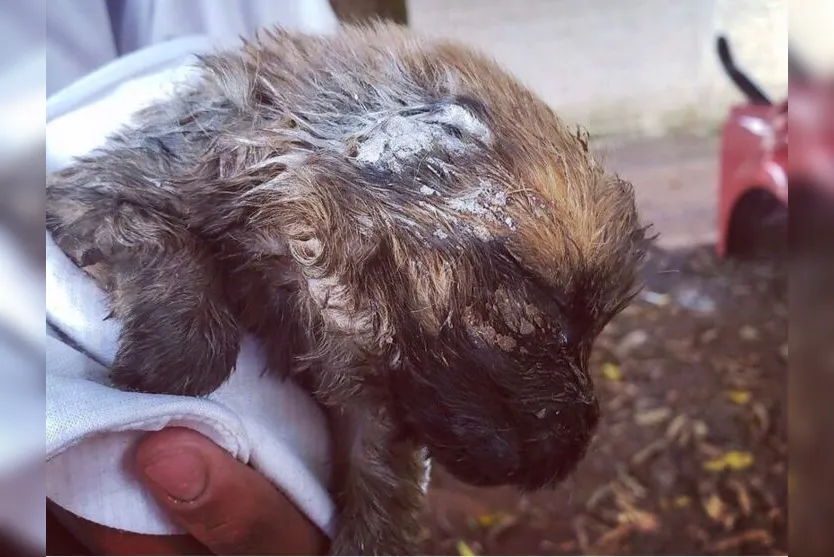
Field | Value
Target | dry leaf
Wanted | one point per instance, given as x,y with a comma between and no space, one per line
709,450
623,498
629,482
732,460
744,500
675,427
642,520
464,550
487,520
652,417
714,507
739,397
631,341
644,454
750,536
718,511
612,372
598,495
708,336
602,546
748,333
501,526
700,429
762,416
682,502
581,532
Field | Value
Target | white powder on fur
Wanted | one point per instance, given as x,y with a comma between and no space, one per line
486,201
399,139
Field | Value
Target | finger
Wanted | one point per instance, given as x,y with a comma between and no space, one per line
223,503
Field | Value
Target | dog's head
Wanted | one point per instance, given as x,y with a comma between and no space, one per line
479,284
495,328
468,249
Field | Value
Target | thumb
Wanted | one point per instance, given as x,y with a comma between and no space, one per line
224,504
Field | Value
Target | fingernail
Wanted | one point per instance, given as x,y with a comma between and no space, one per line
183,475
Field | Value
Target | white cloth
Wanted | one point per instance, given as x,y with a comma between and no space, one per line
91,428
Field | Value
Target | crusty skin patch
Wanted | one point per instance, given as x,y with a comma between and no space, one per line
416,238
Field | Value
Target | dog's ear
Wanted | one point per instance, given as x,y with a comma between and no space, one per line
352,213
320,217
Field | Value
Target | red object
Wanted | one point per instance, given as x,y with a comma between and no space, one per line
754,146
754,156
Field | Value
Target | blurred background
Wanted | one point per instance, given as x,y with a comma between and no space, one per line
692,455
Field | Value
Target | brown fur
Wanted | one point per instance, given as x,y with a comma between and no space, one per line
417,238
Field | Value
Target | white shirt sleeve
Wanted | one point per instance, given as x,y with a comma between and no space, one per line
83,36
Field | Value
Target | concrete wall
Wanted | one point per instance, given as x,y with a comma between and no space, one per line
622,66
811,23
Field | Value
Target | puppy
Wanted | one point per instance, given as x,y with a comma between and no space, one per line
416,238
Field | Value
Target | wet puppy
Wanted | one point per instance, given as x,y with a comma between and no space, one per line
416,238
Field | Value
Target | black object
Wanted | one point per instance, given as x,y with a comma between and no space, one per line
753,93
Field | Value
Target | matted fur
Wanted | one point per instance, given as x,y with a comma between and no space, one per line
415,237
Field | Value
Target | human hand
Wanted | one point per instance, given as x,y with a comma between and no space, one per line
226,507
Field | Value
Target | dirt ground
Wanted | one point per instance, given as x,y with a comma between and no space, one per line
691,456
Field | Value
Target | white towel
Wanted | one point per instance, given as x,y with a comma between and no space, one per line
90,427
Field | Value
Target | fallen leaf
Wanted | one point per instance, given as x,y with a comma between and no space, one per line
748,333
675,426
631,341
744,500
732,460
682,502
739,397
709,450
708,336
714,507
630,483
642,520
581,532
612,372
750,536
500,527
762,416
464,550
611,537
652,417
598,495
718,511
699,429
649,451
487,520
